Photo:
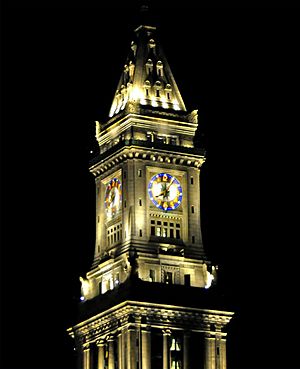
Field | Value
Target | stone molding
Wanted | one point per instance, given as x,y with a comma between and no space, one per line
153,155
130,315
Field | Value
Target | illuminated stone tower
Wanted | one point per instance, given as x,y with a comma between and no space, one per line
149,300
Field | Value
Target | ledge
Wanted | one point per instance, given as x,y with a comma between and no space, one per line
134,289
148,145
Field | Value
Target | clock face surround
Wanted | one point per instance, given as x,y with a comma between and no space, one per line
113,197
165,191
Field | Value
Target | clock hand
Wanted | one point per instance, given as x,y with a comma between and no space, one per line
112,197
170,184
163,192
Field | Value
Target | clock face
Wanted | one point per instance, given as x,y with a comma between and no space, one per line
113,197
165,191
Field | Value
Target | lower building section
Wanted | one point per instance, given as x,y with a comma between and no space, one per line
136,335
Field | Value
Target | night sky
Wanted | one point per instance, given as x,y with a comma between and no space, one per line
61,62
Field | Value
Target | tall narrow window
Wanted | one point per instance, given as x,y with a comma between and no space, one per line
193,239
169,278
117,279
140,202
147,92
141,233
152,275
192,180
175,350
168,95
114,234
157,93
152,230
187,280
193,209
100,287
139,172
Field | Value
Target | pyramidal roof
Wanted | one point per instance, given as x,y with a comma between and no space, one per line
147,78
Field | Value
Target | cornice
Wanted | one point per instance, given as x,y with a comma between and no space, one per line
154,315
163,118
131,149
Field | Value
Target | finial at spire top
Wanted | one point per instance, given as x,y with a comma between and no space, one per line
144,6
144,11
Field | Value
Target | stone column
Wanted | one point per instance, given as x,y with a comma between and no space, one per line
101,362
124,349
218,351
86,356
120,351
210,352
166,349
186,349
218,343
146,348
131,348
223,359
111,354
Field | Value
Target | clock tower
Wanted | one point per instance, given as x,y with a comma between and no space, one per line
149,299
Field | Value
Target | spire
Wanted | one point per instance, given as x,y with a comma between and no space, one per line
146,79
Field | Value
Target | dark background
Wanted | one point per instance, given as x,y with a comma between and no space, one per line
238,64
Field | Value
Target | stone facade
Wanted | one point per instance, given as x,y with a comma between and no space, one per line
144,301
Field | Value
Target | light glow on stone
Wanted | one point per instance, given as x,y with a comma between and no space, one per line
164,102
175,104
154,102
136,94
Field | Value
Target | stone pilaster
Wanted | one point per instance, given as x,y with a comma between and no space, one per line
111,353
223,359
166,349
210,352
120,351
100,345
186,349
146,349
124,349
86,356
131,348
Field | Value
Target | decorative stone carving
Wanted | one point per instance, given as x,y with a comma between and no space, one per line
85,288
132,258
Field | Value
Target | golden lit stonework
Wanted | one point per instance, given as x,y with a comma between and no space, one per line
146,78
149,299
